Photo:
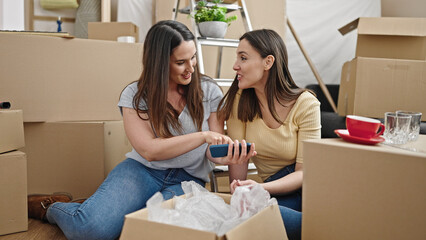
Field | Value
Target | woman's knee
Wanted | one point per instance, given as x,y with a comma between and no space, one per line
95,230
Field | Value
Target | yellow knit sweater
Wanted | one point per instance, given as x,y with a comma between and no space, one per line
280,147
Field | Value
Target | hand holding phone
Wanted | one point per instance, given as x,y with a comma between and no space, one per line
221,150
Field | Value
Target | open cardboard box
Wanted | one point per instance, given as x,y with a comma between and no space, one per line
386,37
266,224
11,130
372,86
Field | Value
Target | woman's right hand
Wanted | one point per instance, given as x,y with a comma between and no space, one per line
214,138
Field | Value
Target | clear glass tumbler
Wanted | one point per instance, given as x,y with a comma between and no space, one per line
416,118
397,128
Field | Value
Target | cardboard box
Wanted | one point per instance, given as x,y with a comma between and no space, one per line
112,30
372,86
11,130
60,79
402,38
72,157
354,191
266,224
13,189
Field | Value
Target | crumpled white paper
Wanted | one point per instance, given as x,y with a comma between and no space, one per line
203,210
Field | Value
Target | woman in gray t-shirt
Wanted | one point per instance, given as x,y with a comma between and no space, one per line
169,117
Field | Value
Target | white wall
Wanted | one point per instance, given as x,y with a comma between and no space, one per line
316,23
139,12
1,14
12,15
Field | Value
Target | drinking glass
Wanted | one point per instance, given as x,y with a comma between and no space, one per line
396,128
416,118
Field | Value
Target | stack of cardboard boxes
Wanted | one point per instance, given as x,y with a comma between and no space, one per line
68,90
355,191
13,173
389,71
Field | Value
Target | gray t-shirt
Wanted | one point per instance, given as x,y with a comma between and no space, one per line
193,162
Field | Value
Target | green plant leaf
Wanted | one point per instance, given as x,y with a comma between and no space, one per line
213,13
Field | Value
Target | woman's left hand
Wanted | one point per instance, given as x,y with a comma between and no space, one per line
237,183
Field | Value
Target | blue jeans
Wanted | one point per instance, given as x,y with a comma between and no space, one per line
126,189
292,200
290,206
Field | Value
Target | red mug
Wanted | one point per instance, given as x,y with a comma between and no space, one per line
364,127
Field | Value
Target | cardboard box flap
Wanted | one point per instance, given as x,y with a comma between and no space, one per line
265,225
11,130
349,27
347,84
387,26
139,229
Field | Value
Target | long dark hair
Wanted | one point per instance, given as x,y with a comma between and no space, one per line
279,85
160,41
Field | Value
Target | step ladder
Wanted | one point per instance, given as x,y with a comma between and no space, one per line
218,42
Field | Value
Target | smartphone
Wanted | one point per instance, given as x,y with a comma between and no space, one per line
221,150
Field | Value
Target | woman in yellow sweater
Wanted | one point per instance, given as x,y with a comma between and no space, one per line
264,106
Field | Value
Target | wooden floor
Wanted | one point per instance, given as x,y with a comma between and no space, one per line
37,230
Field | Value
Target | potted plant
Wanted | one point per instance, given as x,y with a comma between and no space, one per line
212,21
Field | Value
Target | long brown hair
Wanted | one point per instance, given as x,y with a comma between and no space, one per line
279,85
160,41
